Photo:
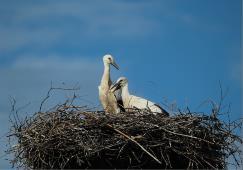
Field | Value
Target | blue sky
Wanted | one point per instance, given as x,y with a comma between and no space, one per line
173,51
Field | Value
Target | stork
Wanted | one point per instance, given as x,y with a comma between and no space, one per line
131,101
108,98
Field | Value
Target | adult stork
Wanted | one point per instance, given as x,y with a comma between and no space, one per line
131,101
108,98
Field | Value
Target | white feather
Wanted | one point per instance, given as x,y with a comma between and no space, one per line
107,98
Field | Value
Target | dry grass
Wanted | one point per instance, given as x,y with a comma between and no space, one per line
72,137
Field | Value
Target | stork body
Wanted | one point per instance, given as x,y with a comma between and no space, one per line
131,101
108,98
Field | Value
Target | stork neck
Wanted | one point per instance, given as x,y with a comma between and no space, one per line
125,92
106,75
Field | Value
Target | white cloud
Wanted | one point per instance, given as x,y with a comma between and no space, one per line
13,38
55,62
29,78
47,23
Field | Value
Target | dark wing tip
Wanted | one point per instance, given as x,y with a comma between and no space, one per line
120,105
163,110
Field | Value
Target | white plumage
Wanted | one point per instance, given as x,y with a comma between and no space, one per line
107,98
131,101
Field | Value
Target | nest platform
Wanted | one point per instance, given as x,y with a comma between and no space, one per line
70,137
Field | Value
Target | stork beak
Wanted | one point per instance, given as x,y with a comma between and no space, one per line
115,65
115,87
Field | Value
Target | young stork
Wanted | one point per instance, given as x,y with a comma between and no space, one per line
108,98
131,101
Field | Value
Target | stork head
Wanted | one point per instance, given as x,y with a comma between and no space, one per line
108,59
120,83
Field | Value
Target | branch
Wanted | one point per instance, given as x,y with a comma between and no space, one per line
55,88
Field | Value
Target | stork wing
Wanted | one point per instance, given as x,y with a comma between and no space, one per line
142,103
118,96
163,110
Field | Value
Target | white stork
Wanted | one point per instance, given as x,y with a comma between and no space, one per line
131,101
108,98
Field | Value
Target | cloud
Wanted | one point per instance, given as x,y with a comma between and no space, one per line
55,62
47,23
29,78
14,38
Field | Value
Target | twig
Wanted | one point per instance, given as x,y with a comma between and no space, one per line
128,137
55,88
125,135
193,137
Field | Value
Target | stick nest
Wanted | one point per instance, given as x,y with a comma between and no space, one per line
72,137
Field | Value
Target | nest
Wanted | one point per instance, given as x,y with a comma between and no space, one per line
72,137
